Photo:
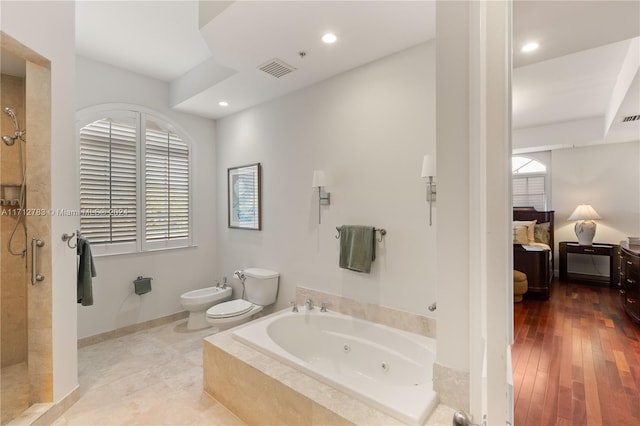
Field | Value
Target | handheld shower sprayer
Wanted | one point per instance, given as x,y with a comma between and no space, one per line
18,133
12,113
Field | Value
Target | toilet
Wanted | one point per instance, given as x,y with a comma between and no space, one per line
260,290
198,301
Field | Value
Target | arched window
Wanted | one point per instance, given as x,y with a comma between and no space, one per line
529,183
135,181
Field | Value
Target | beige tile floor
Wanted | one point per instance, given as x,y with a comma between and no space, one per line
152,377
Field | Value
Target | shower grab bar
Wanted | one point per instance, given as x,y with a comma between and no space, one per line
35,276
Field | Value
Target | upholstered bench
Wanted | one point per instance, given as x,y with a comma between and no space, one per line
520,285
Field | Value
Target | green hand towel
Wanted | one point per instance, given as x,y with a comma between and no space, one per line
357,247
86,272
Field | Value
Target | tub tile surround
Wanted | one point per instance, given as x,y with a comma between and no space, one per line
263,391
452,386
239,377
403,320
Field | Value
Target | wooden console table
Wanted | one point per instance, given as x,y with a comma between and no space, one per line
597,249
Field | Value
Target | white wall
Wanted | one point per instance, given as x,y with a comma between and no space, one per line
31,24
368,129
173,271
608,178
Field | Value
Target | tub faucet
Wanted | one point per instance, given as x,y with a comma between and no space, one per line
309,304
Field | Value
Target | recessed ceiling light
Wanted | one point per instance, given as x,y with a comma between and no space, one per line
223,103
530,47
329,38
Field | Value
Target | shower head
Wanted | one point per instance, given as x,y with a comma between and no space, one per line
10,111
18,134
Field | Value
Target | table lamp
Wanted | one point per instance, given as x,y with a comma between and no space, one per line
585,226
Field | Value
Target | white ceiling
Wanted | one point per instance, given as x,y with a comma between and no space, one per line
575,75
568,87
211,51
216,56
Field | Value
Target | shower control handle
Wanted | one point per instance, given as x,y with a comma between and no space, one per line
35,276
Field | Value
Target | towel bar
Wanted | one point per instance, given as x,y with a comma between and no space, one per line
382,232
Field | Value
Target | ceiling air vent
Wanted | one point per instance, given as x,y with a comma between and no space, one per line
631,118
276,68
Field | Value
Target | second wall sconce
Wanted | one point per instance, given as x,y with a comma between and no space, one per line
320,181
429,171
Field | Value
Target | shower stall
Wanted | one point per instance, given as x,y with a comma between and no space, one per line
25,302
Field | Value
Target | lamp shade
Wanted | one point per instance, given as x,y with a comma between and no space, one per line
319,179
584,212
428,166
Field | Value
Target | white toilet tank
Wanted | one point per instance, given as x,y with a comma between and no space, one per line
261,286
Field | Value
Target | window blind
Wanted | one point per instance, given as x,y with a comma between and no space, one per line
108,188
529,191
166,186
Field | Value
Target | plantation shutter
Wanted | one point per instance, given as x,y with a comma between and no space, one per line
528,191
166,186
108,188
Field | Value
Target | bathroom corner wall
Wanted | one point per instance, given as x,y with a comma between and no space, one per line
13,294
47,29
40,295
175,271
368,129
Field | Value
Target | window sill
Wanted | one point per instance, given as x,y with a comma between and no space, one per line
143,252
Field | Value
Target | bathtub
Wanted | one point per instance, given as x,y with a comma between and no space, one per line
387,368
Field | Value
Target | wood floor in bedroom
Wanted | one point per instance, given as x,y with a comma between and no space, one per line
576,359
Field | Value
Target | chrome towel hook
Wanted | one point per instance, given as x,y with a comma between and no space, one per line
67,238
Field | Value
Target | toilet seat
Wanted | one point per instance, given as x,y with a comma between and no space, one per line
230,309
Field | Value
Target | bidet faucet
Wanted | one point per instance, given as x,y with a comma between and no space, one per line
294,307
309,304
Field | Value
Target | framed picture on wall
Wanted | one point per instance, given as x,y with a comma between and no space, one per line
244,195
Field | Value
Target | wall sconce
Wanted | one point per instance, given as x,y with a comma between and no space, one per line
320,181
428,171
585,226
